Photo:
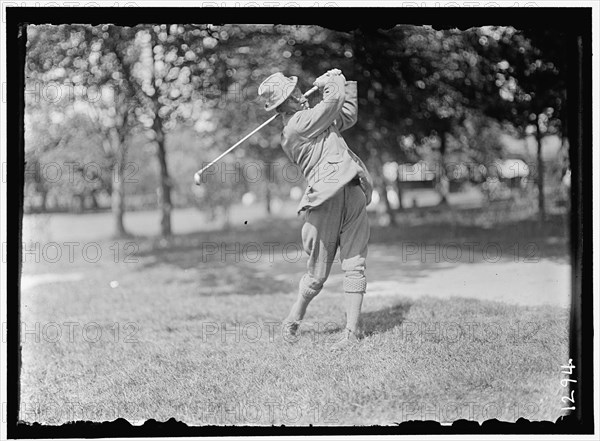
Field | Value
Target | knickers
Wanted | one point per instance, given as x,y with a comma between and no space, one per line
340,221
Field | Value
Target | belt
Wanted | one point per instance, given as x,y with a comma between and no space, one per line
355,181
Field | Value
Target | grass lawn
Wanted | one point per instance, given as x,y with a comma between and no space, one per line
195,338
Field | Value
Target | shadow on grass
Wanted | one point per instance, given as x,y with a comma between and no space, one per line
376,322
238,280
246,244
550,240
372,322
190,250
225,262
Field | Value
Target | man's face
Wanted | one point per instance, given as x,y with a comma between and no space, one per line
295,102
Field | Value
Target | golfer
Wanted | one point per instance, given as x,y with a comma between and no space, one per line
339,189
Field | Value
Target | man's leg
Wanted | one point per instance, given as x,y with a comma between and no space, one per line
354,238
305,295
353,307
320,241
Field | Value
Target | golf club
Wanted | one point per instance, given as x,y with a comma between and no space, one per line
198,174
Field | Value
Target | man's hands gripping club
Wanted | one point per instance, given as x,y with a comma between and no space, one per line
324,79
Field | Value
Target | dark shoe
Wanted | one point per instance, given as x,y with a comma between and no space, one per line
289,331
347,340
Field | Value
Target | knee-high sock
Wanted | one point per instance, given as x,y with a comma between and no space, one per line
353,307
355,285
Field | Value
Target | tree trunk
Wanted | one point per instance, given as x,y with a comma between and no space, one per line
164,199
43,206
77,204
226,217
268,198
442,179
388,206
540,176
381,185
399,191
118,198
268,190
95,206
164,191
116,138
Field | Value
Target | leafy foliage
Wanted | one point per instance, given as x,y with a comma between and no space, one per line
187,92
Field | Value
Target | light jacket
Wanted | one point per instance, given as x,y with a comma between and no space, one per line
311,138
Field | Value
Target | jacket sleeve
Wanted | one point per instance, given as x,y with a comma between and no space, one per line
349,113
311,122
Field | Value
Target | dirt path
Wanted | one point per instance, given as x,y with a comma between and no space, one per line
392,270
544,281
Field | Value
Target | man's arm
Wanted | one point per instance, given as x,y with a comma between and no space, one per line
349,113
312,122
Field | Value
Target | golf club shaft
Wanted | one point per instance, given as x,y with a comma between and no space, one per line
199,173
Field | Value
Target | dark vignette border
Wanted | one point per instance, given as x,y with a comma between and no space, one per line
577,21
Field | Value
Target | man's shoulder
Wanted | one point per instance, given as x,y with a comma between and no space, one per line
298,124
293,123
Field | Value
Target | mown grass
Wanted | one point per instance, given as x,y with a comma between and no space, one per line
200,340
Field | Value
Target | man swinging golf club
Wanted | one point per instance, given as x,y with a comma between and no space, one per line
339,189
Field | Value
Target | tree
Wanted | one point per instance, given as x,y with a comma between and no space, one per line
81,61
158,74
527,70
424,94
